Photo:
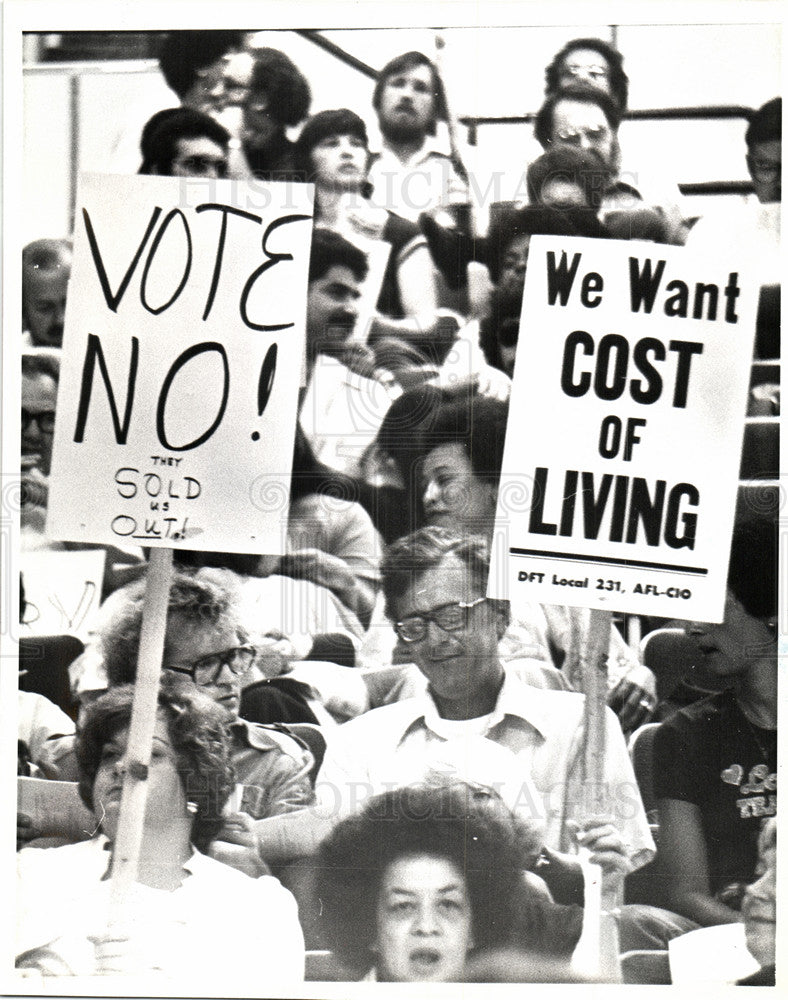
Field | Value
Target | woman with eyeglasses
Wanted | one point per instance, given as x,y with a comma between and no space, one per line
187,918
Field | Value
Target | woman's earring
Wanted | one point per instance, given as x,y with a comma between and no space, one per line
192,807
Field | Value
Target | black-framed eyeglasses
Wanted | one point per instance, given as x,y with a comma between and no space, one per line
45,420
448,617
208,669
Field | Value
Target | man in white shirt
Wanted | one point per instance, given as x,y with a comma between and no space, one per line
476,722
413,172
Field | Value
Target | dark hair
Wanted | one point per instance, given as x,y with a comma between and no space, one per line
41,362
766,123
198,730
413,555
619,81
161,133
183,53
752,570
340,121
543,125
576,166
283,83
478,425
203,602
401,64
536,220
329,249
467,825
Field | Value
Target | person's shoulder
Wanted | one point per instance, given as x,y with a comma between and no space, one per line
382,720
705,711
271,738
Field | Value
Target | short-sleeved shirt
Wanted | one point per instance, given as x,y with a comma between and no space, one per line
529,749
711,755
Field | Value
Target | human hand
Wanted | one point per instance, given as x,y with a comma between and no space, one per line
116,953
599,837
320,568
25,830
634,698
236,846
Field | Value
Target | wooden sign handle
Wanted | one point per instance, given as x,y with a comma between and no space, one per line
126,849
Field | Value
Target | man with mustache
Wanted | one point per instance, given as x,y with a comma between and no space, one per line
412,173
46,268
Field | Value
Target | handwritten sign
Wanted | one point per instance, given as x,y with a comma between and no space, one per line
625,428
182,354
62,591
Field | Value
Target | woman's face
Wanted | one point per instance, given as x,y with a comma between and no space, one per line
452,494
424,922
339,162
166,796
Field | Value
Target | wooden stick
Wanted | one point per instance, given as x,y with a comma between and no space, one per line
126,848
602,926
451,118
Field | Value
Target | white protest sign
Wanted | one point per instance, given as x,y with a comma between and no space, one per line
625,427
183,344
63,590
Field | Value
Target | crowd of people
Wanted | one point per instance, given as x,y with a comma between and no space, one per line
357,753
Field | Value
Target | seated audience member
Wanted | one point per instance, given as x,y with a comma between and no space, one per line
589,61
751,228
331,541
182,142
566,177
206,641
278,97
333,152
476,720
586,117
40,377
46,269
715,762
194,65
507,255
427,878
458,488
414,171
176,916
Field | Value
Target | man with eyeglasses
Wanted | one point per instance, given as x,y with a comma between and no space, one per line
476,720
207,641
182,142
40,375
585,117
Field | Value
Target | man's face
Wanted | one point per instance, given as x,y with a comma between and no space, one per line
188,641
764,162
44,303
462,666
583,125
199,157
585,66
512,278
331,311
407,105
39,397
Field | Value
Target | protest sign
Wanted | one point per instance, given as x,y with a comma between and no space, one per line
182,352
622,450
62,591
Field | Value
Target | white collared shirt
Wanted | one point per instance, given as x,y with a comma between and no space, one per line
217,923
529,751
